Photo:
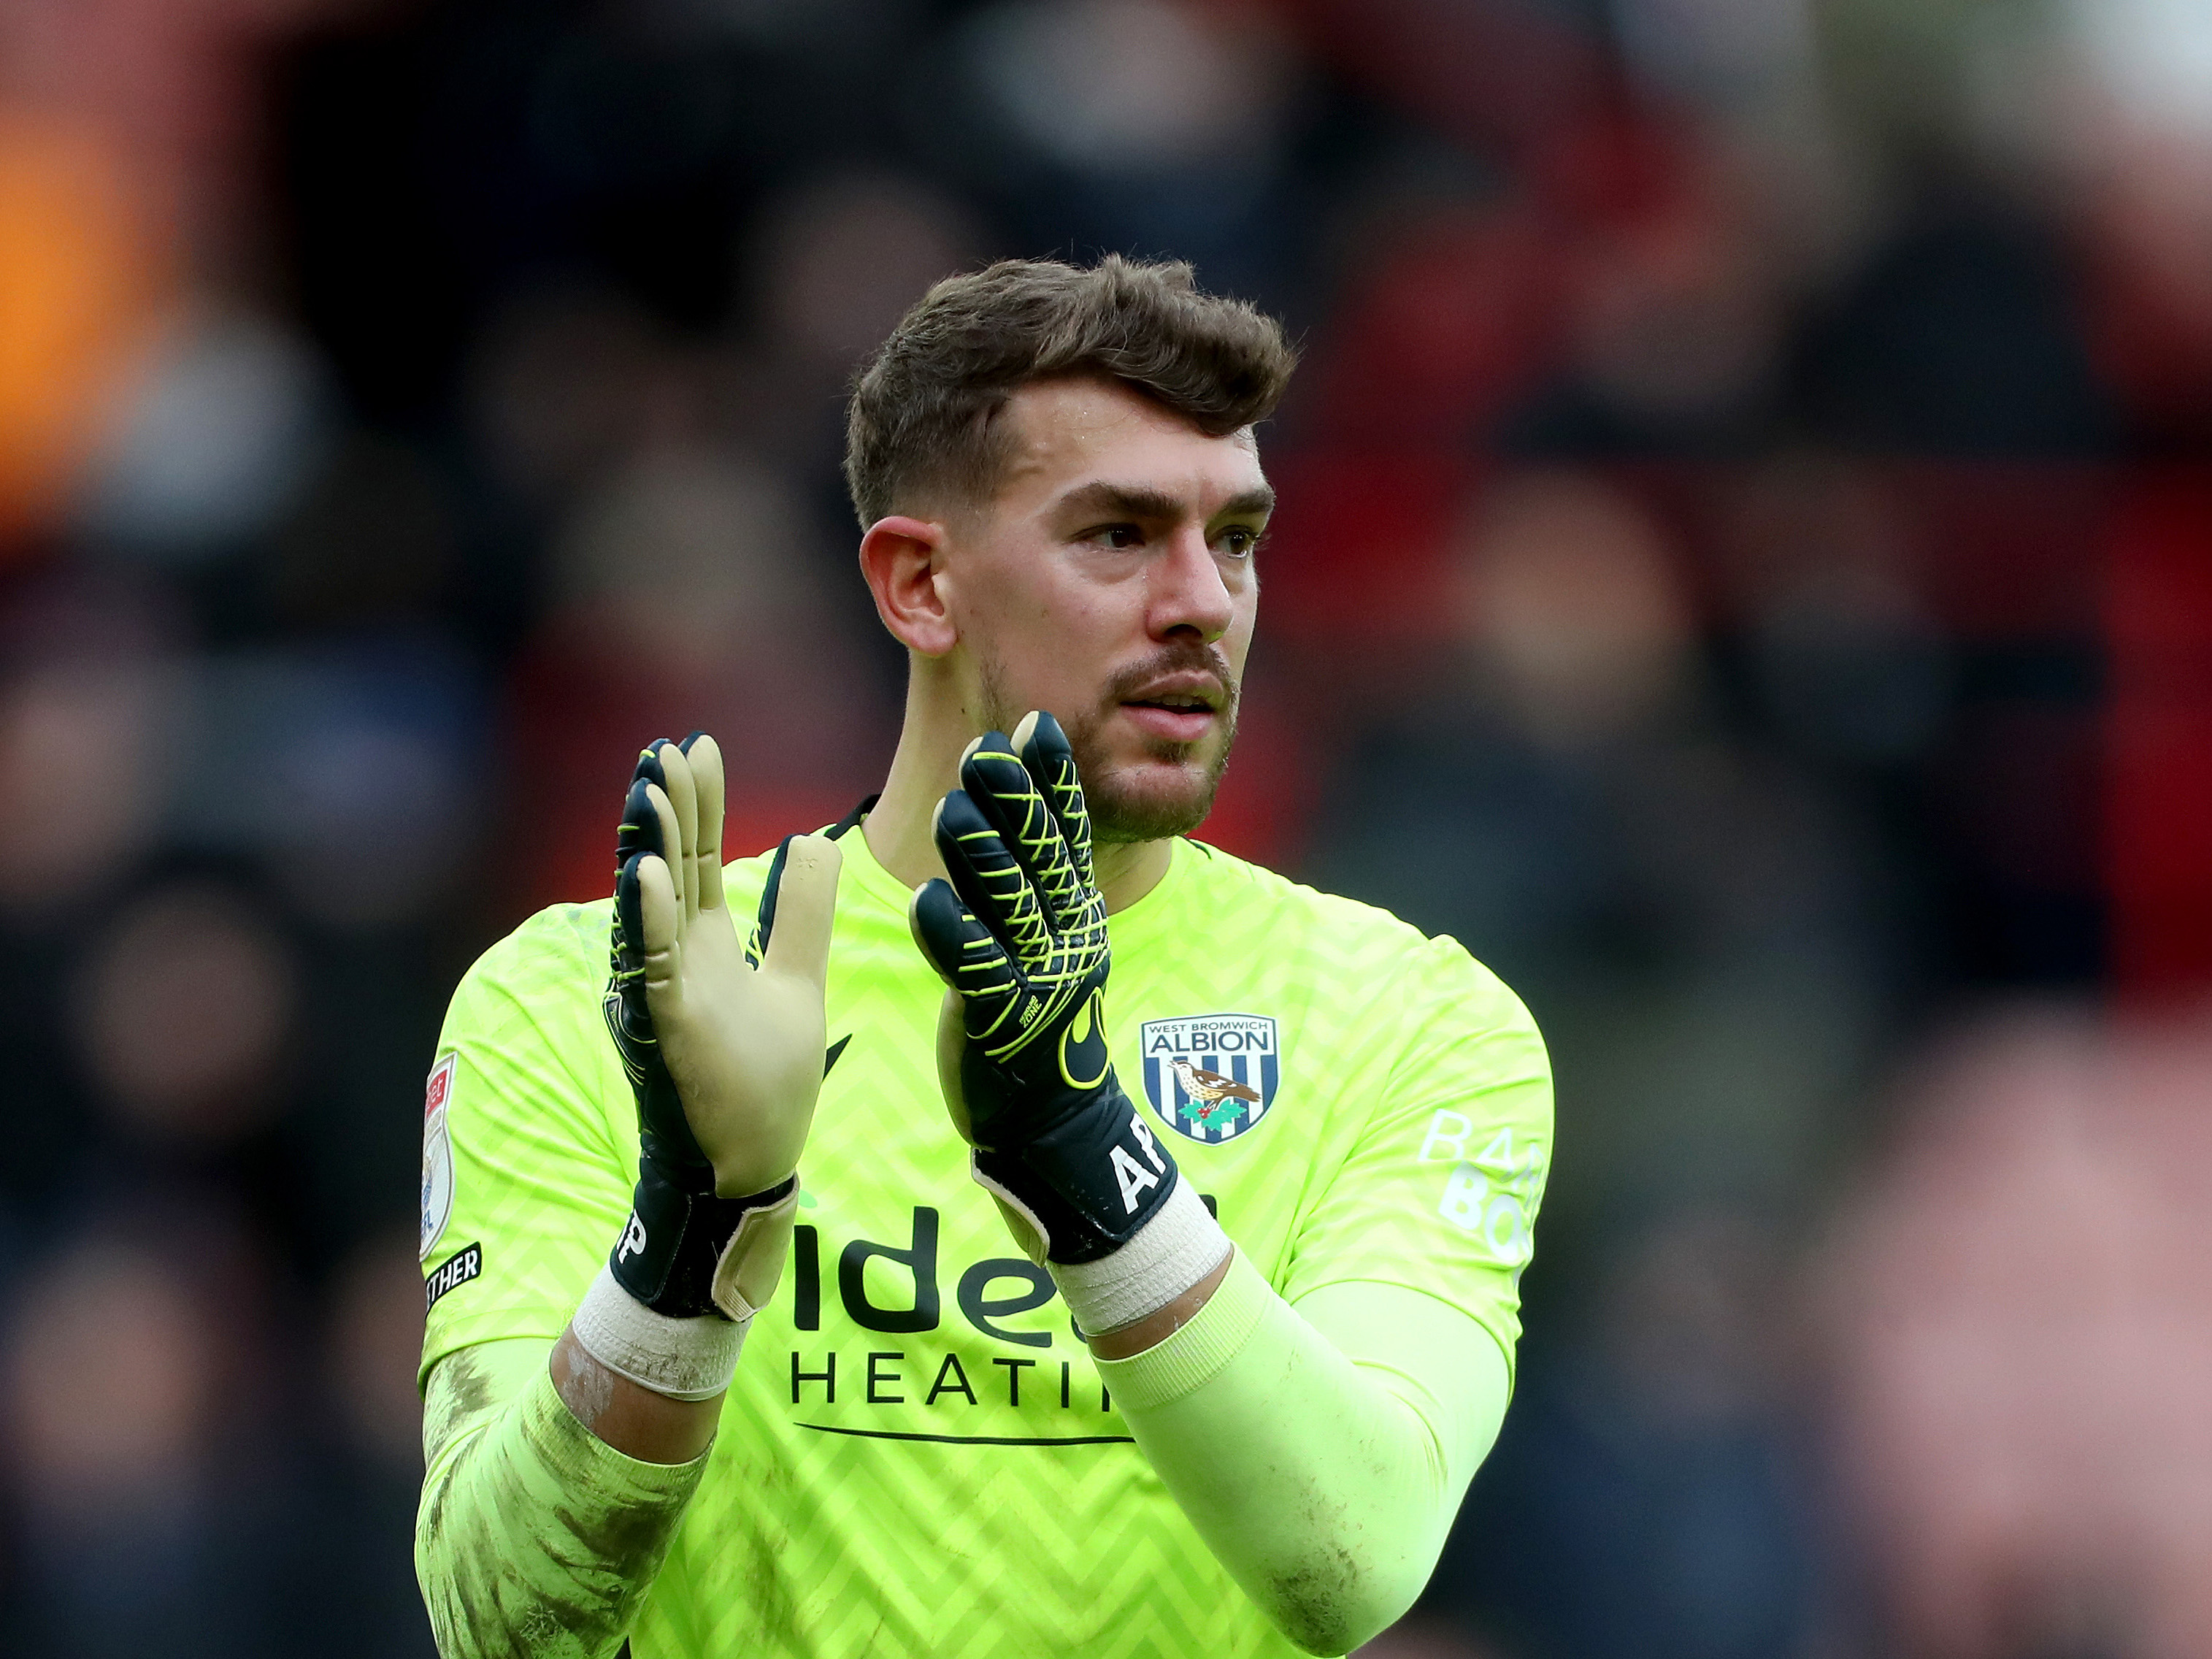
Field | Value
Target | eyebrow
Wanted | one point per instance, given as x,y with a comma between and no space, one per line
1142,502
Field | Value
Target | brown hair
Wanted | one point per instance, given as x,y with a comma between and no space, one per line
922,412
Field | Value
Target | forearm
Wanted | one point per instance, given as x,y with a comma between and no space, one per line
634,1420
535,1536
1323,1468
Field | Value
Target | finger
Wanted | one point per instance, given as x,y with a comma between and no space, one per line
640,825
1001,786
1050,760
628,944
671,838
990,881
806,909
659,924
968,957
942,928
675,779
705,759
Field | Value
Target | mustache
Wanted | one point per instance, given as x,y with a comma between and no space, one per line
1184,658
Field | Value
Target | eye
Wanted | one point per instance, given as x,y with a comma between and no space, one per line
1119,536
1238,541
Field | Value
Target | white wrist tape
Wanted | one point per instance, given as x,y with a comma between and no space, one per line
683,1359
1170,1253
690,1358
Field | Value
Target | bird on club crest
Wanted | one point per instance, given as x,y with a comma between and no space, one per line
1208,1089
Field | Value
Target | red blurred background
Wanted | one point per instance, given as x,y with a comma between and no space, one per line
1745,567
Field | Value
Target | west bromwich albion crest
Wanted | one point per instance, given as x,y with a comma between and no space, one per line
1210,1077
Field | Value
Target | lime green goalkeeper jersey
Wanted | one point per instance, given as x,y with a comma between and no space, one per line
917,1456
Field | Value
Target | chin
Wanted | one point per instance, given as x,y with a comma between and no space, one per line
1139,788
1150,800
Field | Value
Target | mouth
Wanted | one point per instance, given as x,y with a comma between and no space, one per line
1180,710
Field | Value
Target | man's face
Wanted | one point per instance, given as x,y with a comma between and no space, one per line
1111,581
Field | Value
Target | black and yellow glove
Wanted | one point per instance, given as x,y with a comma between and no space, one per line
1019,936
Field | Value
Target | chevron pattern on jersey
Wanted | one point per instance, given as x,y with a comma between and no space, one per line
1402,1064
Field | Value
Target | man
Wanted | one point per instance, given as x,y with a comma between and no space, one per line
1210,1447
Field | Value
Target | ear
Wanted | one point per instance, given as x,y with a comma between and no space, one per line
901,559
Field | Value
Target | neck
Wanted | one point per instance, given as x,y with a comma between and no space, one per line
936,729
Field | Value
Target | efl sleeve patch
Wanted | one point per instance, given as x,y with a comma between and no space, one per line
437,1156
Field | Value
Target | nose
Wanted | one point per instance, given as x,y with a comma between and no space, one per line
1187,591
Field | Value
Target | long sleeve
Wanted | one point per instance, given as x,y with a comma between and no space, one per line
534,1537
1321,1450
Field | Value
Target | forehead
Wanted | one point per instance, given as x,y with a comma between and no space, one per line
1063,434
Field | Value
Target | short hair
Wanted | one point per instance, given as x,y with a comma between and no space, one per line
922,413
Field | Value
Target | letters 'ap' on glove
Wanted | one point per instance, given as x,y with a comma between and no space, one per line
674,1243
1020,934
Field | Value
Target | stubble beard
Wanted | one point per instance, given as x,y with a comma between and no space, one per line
1121,813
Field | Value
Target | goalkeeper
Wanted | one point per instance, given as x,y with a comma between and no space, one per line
997,1225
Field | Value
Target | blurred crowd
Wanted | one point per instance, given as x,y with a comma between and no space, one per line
1745,568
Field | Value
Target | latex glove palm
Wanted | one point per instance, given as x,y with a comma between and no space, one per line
721,1036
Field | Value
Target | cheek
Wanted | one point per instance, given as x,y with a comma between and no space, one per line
1044,650
1013,597
1238,640
1057,627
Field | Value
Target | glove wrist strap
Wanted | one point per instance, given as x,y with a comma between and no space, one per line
685,1254
1089,1184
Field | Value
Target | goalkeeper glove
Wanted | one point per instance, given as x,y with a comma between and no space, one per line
722,1040
1019,937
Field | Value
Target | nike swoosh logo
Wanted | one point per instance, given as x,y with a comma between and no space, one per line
1084,1059
829,1059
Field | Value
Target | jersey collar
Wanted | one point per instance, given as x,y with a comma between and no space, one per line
863,870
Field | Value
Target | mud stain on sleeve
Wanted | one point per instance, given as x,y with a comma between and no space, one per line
458,1392
522,1558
